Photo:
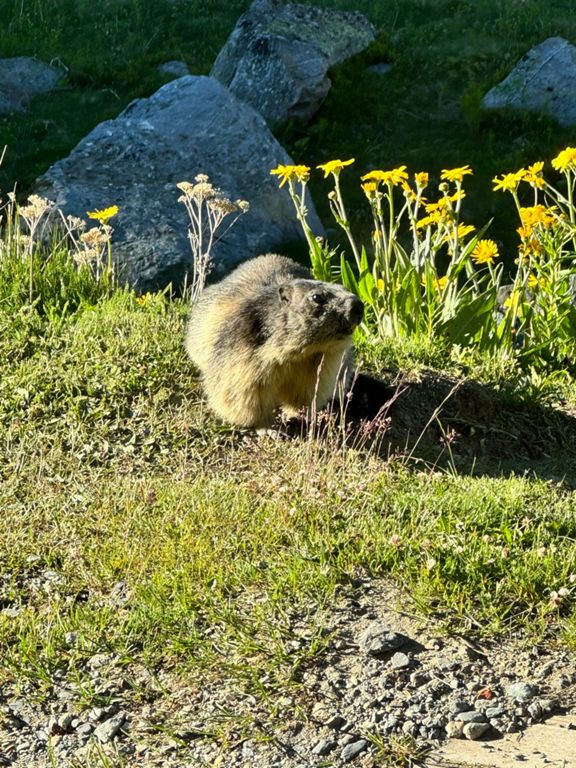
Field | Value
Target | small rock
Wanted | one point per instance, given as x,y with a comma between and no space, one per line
460,705
548,705
21,78
399,661
494,711
454,729
392,722
323,747
336,722
473,731
447,664
410,728
377,639
418,679
545,670
59,725
521,691
175,68
535,710
99,660
471,717
352,750
382,68
107,730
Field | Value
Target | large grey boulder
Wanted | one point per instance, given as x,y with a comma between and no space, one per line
190,126
21,78
542,81
278,56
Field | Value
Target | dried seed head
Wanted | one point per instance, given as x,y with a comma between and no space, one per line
86,257
36,208
75,224
95,238
222,205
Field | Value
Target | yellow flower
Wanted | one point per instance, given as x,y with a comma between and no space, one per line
485,251
395,176
537,167
103,216
456,174
509,181
334,166
444,202
421,179
398,175
370,188
435,217
464,229
288,172
380,284
512,301
565,160
534,175
537,214
530,244
438,283
534,281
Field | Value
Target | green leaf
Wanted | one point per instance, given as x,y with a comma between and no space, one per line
348,277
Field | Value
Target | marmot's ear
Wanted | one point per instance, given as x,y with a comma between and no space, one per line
285,292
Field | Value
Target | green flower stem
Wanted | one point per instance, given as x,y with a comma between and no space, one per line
301,213
343,218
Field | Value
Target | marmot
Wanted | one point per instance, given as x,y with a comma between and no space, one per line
269,337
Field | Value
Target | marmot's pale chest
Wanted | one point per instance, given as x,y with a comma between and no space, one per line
268,336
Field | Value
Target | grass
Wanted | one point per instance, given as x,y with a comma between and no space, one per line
137,527
114,473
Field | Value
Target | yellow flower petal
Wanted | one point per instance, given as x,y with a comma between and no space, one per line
456,174
103,216
334,166
288,172
565,160
485,251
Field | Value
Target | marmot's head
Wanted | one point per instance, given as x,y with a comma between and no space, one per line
320,311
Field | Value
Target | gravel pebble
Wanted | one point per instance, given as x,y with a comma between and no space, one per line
521,691
399,661
352,750
323,747
377,640
107,730
471,717
475,731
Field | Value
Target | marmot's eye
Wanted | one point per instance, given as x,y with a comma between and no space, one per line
318,298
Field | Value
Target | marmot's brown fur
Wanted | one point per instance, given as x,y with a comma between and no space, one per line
268,336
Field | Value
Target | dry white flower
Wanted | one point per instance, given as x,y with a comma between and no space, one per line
86,257
94,238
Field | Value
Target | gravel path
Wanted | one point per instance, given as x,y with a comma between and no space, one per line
384,675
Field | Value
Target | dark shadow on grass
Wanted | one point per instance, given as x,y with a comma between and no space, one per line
462,425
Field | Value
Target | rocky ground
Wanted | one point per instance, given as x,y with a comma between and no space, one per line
387,685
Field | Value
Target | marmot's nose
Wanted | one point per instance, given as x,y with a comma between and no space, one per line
356,310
